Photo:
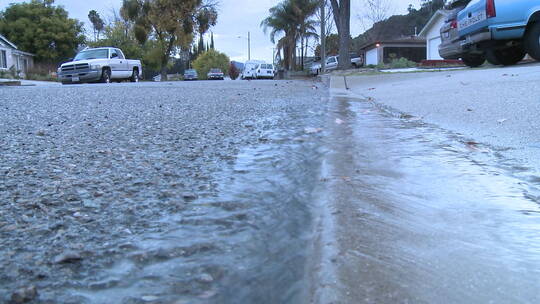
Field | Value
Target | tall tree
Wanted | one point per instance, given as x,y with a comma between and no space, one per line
98,25
292,21
170,23
212,45
206,18
281,23
42,28
342,16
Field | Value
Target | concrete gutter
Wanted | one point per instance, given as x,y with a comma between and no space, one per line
10,83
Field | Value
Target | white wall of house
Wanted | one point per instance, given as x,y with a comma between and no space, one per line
433,38
4,49
372,56
10,57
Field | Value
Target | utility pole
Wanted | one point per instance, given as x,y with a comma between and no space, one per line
249,46
323,36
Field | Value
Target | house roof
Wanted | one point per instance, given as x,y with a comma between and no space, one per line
15,49
413,40
433,21
4,39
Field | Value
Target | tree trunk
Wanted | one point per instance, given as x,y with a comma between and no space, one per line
336,14
302,53
286,57
344,34
164,62
165,59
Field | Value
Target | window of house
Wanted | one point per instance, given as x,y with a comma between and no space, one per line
3,59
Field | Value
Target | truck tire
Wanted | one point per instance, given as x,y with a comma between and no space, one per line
473,61
106,76
506,56
491,58
532,41
134,76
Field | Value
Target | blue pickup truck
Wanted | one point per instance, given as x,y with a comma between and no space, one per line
501,31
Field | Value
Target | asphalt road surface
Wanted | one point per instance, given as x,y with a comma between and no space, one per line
255,192
157,192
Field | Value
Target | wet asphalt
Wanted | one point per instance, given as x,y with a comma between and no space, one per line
157,192
254,192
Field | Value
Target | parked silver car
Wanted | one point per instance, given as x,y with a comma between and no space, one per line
450,47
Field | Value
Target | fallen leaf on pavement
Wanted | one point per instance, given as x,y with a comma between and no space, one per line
371,89
312,130
502,120
339,121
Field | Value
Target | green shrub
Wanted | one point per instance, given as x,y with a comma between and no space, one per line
211,59
402,63
5,74
41,72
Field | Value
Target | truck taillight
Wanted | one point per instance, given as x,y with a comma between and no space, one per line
490,9
454,24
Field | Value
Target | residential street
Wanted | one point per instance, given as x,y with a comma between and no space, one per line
185,192
270,192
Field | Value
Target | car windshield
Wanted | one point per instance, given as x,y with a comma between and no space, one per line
92,54
190,72
215,71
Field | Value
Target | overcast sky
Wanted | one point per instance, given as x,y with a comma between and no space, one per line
236,18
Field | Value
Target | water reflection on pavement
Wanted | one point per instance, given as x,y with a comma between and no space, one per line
425,216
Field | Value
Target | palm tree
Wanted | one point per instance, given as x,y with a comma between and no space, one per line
281,22
292,21
304,11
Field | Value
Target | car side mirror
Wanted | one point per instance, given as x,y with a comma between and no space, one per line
114,56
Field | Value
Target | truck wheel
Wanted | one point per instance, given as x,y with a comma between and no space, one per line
532,41
507,56
106,76
491,58
134,76
473,61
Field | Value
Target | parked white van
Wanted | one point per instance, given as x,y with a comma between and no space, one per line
250,69
265,70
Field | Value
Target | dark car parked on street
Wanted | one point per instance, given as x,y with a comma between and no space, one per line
191,75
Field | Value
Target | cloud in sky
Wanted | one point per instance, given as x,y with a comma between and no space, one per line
236,18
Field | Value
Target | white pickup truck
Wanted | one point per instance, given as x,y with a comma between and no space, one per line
100,65
332,64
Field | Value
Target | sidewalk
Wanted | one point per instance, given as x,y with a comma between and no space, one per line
498,107
23,82
411,212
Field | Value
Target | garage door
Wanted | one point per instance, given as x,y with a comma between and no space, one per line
371,57
433,49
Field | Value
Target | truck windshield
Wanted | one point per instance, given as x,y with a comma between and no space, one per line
92,54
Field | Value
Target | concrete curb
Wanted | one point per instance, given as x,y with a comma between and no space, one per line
14,83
